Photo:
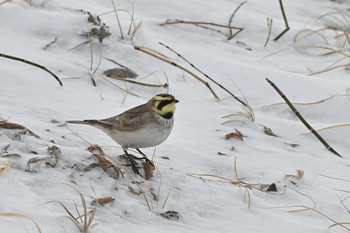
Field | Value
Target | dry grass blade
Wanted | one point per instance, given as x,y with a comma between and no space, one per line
331,127
301,118
334,178
32,64
311,32
124,90
165,59
117,17
22,216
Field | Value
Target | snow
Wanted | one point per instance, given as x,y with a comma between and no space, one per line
32,98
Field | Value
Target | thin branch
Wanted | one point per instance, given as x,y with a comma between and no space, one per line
32,64
165,85
207,76
301,118
285,21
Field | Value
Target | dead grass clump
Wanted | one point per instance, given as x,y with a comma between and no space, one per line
82,218
246,186
333,37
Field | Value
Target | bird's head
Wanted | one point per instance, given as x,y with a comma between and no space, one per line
164,105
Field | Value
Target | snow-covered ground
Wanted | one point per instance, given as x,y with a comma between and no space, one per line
214,184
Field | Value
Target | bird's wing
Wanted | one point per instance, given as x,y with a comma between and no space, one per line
131,119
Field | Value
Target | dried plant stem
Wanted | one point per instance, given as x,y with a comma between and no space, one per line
163,58
269,25
178,21
207,76
124,90
32,64
116,15
140,83
285,21
201,24
301,118
231,35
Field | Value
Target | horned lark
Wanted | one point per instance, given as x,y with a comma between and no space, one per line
146,125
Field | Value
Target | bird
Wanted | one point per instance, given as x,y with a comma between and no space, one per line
146,125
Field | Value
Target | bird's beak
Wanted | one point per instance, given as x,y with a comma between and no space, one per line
176,101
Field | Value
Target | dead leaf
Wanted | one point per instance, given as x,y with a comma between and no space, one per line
106,166
5,165
94,148
103,200
148,168
236,135
135,192
8,125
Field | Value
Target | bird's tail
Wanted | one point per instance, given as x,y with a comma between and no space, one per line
85,122
96,123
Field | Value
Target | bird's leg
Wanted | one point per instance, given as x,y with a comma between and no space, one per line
133,163
145,157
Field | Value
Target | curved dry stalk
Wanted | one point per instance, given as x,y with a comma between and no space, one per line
311,32
334,178
330,127
32,64
207,76
233,15
301,118
334,15
85,218
166,60
16,215
166,84
126,91
310,103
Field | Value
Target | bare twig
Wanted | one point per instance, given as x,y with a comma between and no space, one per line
301,118
207,76
203,25
285,21
32,64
